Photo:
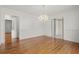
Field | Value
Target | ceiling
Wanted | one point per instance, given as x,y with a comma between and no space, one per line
38,9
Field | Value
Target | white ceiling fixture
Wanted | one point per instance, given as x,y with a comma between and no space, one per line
43,17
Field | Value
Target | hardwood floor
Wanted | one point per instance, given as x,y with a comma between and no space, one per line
8,40
41,45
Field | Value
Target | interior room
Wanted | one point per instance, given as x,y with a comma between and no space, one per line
39,29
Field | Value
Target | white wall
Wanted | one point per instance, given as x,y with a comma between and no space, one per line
47,28
0,31
1,27
71,23
30,26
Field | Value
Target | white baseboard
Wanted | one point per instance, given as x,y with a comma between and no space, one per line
26,37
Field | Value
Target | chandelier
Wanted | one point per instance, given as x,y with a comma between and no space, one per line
43,17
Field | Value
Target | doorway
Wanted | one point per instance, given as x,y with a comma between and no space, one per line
8,32
11,31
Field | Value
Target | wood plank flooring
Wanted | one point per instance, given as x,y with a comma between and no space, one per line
41,45
8,40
